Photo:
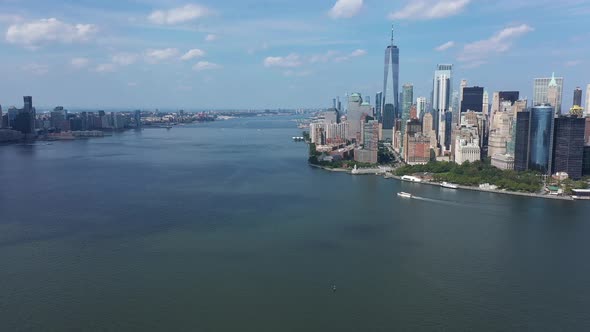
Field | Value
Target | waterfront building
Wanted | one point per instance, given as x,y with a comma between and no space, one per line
578,97
354,114
503,161
540,90
420,107
336,133
568,148
390,103
541,138
467,150
371,135
317,133
586,161
441,98
521,141
472,99
58,119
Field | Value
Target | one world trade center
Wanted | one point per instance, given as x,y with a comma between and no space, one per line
390,105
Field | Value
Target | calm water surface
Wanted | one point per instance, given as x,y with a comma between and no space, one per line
224,227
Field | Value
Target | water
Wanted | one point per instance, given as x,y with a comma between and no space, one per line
223,227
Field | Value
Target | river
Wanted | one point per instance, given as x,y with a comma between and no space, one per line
224,227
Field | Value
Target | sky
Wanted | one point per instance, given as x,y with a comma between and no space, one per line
257,54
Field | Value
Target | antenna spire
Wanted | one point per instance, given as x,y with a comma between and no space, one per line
391,34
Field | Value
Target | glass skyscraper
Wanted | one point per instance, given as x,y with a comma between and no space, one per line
391,81
472,99
407,101
541,138
441,97
521,145
569,146
541,87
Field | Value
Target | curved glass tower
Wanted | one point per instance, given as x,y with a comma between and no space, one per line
541,138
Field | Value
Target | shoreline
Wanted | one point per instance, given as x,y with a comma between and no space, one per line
459,187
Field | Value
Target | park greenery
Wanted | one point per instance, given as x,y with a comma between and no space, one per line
476,173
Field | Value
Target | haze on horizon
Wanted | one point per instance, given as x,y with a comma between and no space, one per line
259,54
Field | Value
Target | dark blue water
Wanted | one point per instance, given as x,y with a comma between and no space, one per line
224,227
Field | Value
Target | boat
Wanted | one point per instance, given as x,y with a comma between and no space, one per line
411,178
449,185
404,195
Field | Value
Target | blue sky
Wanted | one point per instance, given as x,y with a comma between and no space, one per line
277,53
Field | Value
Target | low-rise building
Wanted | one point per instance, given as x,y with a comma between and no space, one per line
503,161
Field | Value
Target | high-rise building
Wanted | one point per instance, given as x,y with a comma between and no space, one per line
378,106
407,100
420,107
587,132
390,103
568,150
541,138
354,114
485,108
1,118
587,106
472,99
541,87
578,97
441,97
521,148
511,96
463,85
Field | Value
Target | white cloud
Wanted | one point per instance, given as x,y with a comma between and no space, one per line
289,61
191,54
294,73
445,46
323,58
357,53
179,15
573,63
124,59
211,37
429,9
34,34
35,68
346,8
205,65
79,63
157,55
105,68
476,53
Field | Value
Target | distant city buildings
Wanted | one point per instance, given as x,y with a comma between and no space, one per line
441,99
541,91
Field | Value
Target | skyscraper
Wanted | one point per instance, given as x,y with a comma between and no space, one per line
577,97
407,100
541,138
441,97
420,107
521,148
568,151
472,99
378,106
587,106
390,103
540,89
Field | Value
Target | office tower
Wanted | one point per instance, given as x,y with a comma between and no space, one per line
441,97
333,102
587,132
58,118
553,96
486,103
587,106
467,149
521,148
28,108
455,106
420,107
511,96
428,129
1,118
586,161
378,108
407,100
368,154
339,105
390,103
568,150
463,85
541,138
577,97
500,134
356,109
317,133
472,99
540,89
413,112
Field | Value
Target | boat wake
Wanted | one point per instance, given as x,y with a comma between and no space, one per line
439,201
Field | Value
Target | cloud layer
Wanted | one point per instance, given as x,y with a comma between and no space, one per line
477,53
37,33
445,46
179,15
346,8
429,9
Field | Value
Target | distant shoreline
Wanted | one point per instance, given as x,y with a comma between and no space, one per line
503,192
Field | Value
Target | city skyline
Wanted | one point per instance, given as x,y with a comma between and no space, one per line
173,54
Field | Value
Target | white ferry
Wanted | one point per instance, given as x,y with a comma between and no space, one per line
449,185
411,178
404,195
